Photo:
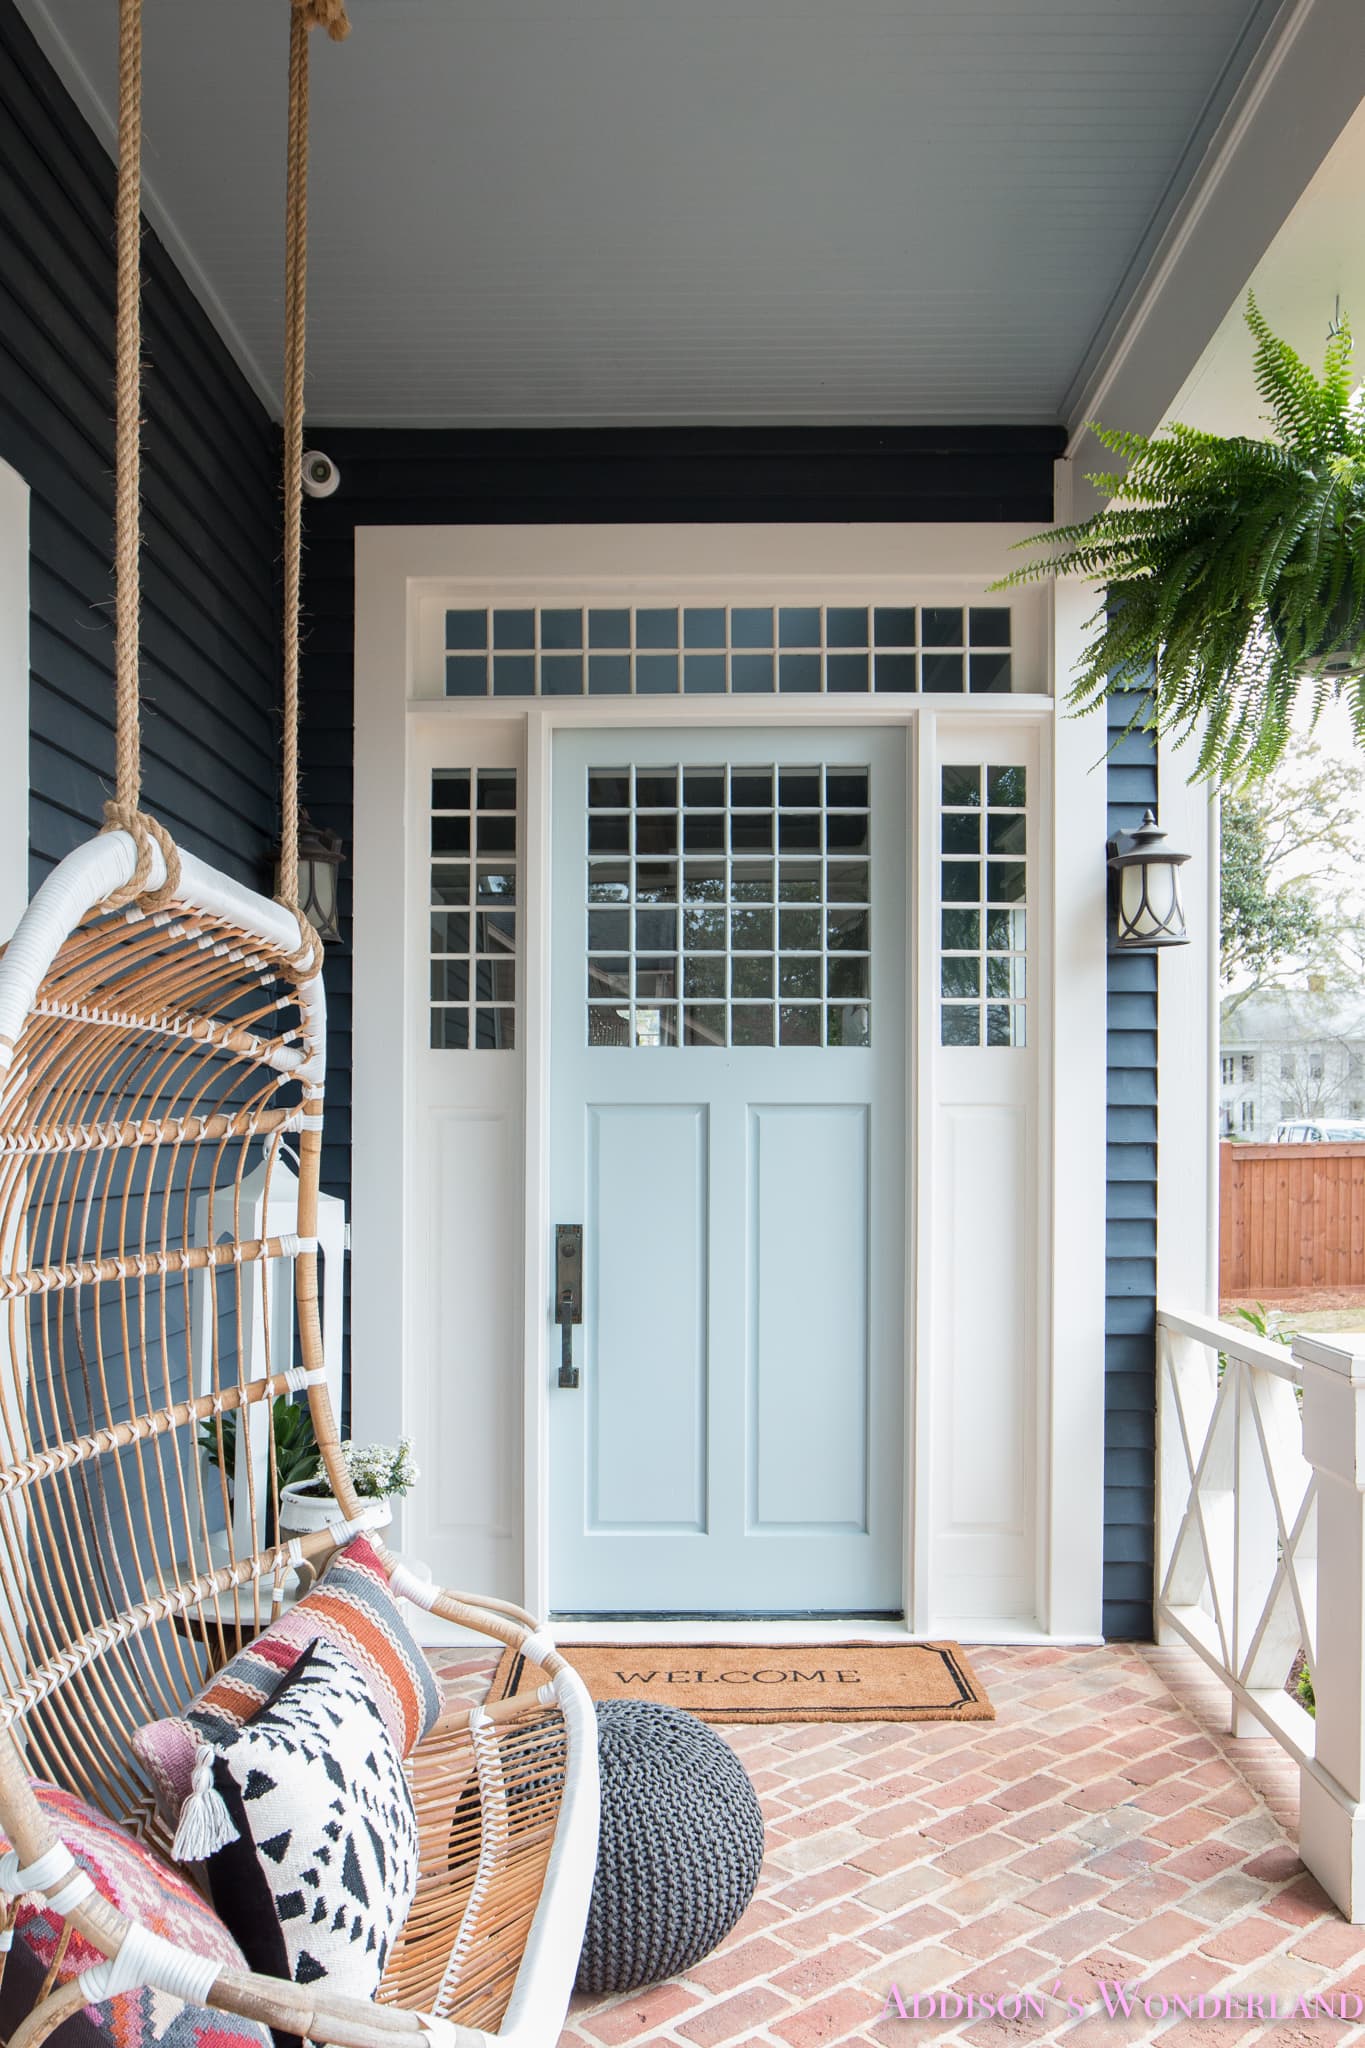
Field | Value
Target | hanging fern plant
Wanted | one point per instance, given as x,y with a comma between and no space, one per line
1233,569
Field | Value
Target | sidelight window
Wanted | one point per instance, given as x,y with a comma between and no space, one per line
473,908
983,875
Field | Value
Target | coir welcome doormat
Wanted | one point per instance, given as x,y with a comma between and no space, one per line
774,1682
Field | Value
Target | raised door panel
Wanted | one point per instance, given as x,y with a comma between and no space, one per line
808,1316
648,1202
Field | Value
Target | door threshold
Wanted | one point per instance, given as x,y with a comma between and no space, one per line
752,1632
689,1615
731,1628
814,1629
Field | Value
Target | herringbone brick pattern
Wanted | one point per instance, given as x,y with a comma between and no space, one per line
1098,1831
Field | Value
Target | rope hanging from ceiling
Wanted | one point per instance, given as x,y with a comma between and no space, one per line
162,1056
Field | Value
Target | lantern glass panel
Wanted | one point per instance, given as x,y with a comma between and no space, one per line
1132,908
319,892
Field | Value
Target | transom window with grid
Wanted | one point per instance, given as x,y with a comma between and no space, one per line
729,906
728,650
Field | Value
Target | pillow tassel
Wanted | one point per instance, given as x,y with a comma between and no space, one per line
205,1823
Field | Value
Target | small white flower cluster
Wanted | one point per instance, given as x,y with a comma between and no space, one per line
380,1471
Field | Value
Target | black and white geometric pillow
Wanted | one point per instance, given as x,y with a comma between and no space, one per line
324,1870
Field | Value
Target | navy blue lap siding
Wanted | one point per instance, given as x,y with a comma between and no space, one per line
1130,1247
210,505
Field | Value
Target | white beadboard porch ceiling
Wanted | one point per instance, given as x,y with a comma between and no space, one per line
576,212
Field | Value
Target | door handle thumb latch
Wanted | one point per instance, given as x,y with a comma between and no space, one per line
568,1295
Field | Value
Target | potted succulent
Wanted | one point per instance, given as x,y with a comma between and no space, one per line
377,1472
1233,568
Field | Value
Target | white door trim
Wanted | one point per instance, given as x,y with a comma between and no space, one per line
1188,1050
1071,1392
14,833
14,695
400,574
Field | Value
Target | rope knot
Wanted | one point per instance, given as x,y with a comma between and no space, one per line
146,833
328,14
307,962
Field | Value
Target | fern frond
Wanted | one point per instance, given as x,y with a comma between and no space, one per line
1228,565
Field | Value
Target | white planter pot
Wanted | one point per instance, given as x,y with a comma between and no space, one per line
303,1510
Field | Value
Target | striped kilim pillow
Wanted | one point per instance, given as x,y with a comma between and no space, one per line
147,1891
350,1608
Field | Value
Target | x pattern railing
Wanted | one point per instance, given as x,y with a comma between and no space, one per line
1237,1518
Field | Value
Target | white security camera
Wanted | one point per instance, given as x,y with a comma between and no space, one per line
320,474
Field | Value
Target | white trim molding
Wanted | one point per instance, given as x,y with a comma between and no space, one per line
14,696
1073,1406
380,1097
1300,92
1187,1049
405,577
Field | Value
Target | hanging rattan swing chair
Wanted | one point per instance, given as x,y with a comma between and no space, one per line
161,1041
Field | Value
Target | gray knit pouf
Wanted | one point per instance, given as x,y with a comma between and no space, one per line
680,1848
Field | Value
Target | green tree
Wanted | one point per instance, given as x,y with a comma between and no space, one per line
1290,877
1264,925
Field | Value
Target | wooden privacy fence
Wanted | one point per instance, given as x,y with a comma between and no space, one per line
1290,1217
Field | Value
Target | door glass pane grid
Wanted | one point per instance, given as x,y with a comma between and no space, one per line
729,906
983,874
473,909
726,650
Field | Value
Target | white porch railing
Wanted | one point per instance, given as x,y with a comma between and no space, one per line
1261,1554
1236,1518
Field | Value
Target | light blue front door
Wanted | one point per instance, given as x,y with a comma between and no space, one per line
728,1080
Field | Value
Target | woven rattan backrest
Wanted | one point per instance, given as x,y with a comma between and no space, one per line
161,1046
164,1068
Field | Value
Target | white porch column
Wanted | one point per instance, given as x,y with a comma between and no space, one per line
14,665
1332,1817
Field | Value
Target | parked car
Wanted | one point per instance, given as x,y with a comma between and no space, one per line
1320,1131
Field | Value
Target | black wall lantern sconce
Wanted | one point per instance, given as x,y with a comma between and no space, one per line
319,868
1144,890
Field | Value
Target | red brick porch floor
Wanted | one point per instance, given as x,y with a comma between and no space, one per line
1100,1829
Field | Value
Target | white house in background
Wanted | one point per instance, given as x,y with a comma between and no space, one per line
1286,1056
